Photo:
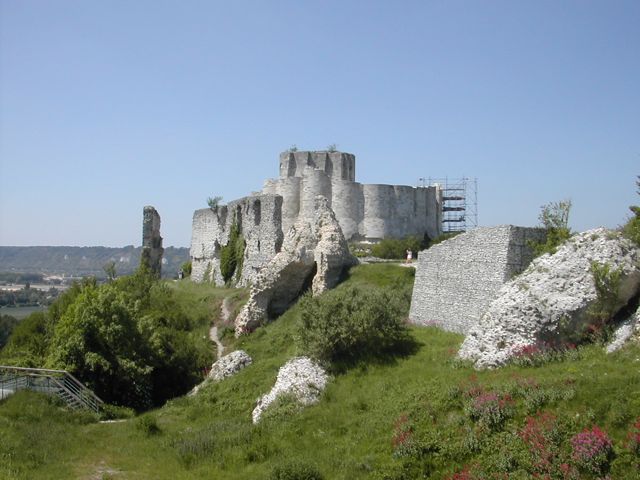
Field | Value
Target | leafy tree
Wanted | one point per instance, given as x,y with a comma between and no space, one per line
97,339
130,340
554,217
28,343
7,324
631,229
110,269
214,203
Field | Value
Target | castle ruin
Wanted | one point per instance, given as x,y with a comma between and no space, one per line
152,250
364,211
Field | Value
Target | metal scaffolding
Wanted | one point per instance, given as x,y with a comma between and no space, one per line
459,203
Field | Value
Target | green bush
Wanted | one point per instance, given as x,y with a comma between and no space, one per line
295,470
147,425
631,229
27,344
554,217
607,283
7,324
396,248
186,268
232,254
351,323
130,340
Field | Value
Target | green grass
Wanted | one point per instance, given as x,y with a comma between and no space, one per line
349,434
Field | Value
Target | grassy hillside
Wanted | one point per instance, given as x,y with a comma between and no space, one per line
423,415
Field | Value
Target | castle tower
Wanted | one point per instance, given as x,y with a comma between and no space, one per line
152,249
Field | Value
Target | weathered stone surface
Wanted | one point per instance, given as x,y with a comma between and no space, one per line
550,301
152,250
457,279
314,253
259,220
300,377
225,367
229,365
625,332
363,211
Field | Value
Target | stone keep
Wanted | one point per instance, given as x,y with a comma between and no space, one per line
456,280
364,212
151,241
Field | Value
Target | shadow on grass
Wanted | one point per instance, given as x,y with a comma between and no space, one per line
388,356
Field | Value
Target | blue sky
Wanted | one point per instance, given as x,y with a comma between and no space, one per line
109,106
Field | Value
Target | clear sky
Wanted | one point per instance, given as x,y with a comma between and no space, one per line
107,106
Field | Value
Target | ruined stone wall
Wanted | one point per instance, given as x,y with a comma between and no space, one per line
152,250
457,279
337,165
363,211
260,223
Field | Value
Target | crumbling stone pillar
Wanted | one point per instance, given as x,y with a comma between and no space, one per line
152,249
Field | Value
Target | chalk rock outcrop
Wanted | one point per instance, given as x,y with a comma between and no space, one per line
314,253
229,365
625,332
225,367
550,301
300,377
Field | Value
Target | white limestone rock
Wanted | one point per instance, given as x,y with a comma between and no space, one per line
225,367
625,331
300,377
229,365
549,302
315,248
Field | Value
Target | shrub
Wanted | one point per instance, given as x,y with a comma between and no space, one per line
631,229
232,254
214,203
490,409
540,435
295,470
7,324
351,323
607,283
554,217
396,248
147,425
592,450
186,268
633,438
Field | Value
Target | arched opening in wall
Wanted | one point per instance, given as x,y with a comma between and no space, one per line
257,212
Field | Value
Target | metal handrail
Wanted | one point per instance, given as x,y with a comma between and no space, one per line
63,380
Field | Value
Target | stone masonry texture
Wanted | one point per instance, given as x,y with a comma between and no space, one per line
152,250
369,212
457,279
